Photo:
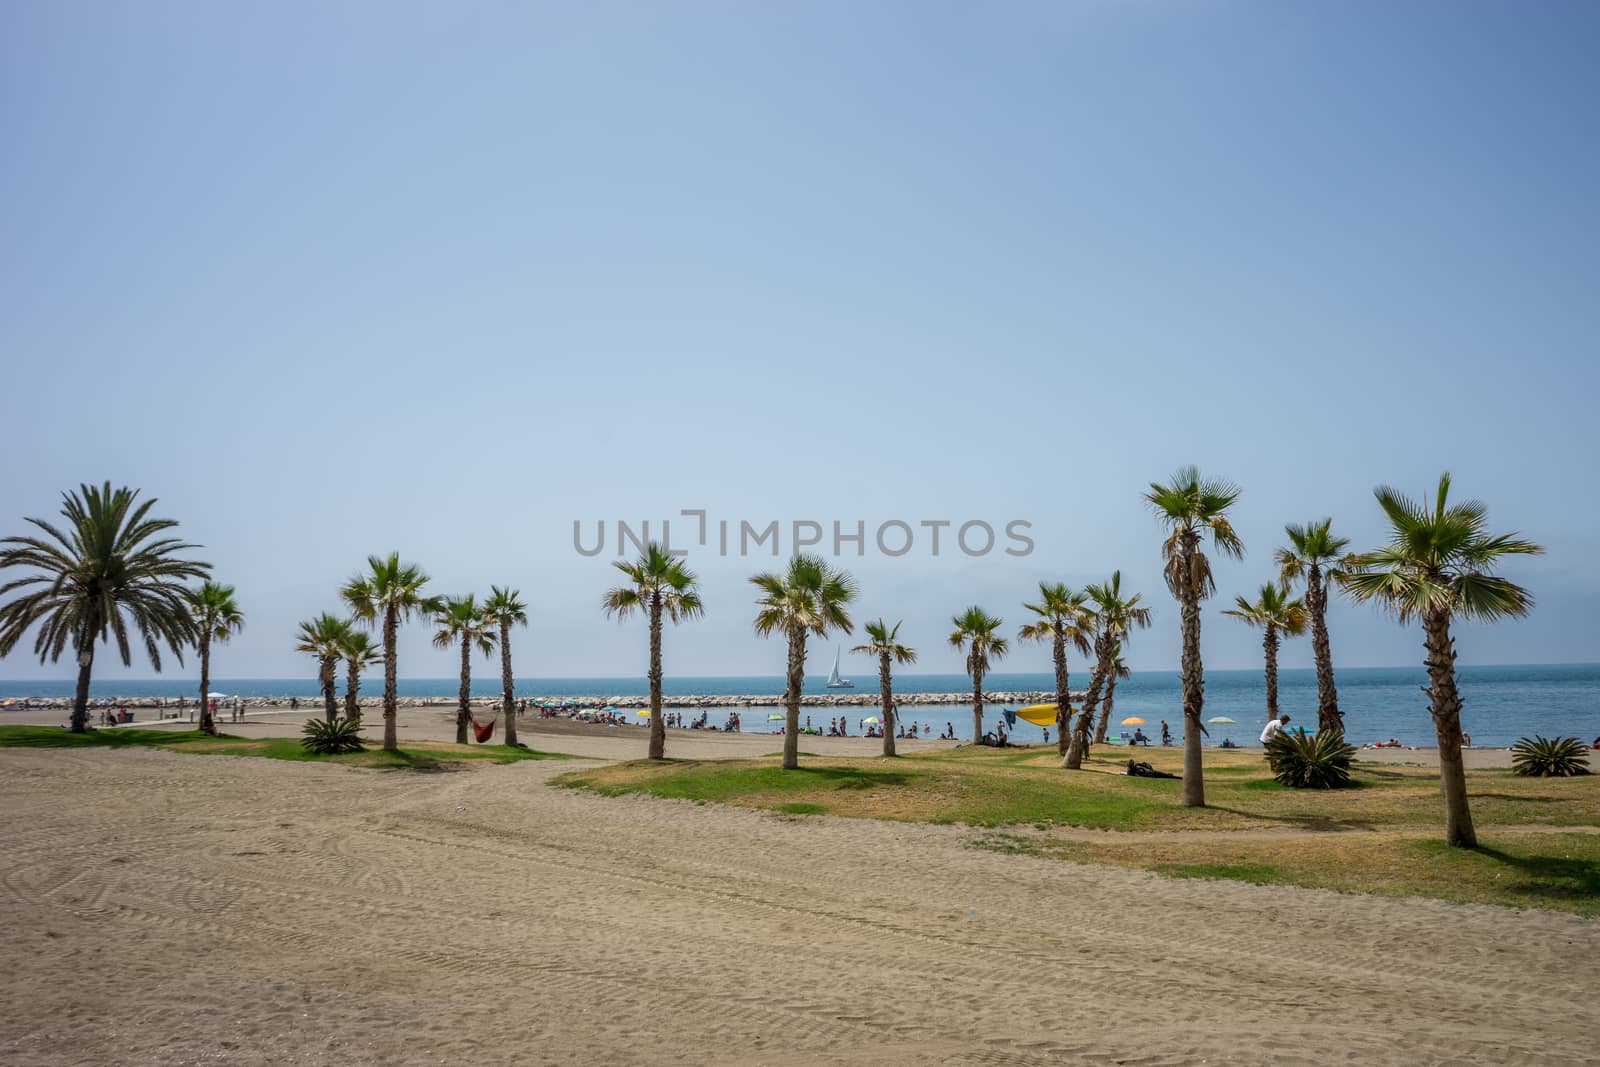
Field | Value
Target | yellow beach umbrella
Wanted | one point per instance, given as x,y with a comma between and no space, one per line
1133,720
1039,714
645,712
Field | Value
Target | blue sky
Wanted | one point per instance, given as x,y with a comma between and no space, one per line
443,278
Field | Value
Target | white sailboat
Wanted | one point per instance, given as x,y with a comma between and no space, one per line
834,681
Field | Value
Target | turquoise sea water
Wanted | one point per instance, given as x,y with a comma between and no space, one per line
1502,703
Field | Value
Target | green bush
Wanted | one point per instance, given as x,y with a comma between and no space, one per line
325,738
1540,757
1317,761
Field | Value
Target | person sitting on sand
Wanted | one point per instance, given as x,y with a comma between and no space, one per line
1227,742
1273,729
1596,744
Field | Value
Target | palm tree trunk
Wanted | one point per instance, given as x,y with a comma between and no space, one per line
1444,700
80,698
1107,705
1269,645
791,699
330,696
352,690
1091,700
658,729
1063,694
886,687
206,725
977,705
391,634
464,693
1193,794
508,701
1329,717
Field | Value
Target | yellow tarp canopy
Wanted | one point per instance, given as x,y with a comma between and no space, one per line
1039,714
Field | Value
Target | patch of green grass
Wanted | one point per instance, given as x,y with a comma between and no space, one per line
423,755
1255,873
802,809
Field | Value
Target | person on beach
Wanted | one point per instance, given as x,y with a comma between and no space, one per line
1466,740
1273,729
1166,733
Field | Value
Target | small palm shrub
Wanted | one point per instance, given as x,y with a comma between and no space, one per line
1318,761
325,738
1541,757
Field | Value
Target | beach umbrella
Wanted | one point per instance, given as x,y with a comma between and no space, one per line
645,712
873,719
1039,714
1133,720
1219,718
774,718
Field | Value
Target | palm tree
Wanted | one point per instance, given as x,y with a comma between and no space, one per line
1117,671
111,566
1275,613
1439,565
976,634
1064,619
505,609
1320,558
1115,616
810,597
1192,507
359,653
461,618
324,637
216,618
886,646
388,591
659,585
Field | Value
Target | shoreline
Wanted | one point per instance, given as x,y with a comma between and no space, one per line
858,698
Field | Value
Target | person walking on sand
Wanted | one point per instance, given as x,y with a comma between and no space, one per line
1273,729
1166,733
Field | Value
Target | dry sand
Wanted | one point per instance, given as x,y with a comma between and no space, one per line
168,909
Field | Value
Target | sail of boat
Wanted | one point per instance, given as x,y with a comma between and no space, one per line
834,681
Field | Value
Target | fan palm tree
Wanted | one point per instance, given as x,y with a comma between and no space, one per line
324,637
386,594
1114,673
809,598
976,634
505,609
1116,616
1193,508
359,653
660,586
112,565
885,644
216,618
461,619
1438,565
1063,619
1276,614
1315,554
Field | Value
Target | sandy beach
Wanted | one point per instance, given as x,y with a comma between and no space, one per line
173,909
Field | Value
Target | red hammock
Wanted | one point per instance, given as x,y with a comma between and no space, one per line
484,730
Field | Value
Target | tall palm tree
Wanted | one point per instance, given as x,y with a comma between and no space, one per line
360,652
505,609
216,618
324,637
810,597
111,566
660,586
1116,672
1276,614
1315,554
885,644
461,619
1063,619
1438,565
1193,508
385,594
977,634
1116,615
